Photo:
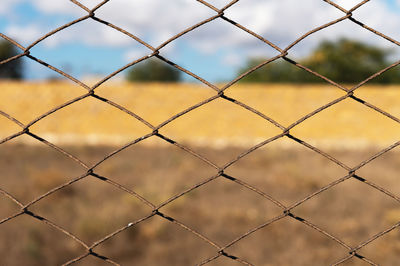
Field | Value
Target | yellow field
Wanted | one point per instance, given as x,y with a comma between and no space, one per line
217,123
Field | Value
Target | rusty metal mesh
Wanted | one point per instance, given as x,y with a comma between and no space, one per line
287,211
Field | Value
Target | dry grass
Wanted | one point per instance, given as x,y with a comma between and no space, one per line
221,210
348,123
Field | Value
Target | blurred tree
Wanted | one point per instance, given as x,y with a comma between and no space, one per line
344,61
12,69
153,70
278,71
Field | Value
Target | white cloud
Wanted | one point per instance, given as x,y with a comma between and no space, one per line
89,3
219,3
155,21
6,6
232,59
24,34
57,7
347,4
281,21
44,6
135,53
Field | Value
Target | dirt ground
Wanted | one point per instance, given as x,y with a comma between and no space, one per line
221,210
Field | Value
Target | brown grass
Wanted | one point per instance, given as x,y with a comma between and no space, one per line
221,210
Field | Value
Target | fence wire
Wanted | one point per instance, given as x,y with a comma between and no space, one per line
288,212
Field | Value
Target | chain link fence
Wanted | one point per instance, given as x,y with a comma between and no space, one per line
287,211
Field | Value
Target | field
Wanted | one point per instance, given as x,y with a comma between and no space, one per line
218,122
221,210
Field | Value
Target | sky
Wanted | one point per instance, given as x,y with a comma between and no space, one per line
214,51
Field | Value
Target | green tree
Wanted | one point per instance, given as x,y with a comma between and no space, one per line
12,69
153,70
278,71
344,61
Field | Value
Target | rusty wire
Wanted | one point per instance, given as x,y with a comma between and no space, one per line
287,211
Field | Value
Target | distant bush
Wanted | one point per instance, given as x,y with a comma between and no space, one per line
345,61
153,70
12,69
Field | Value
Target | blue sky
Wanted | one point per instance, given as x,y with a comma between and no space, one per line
214,51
